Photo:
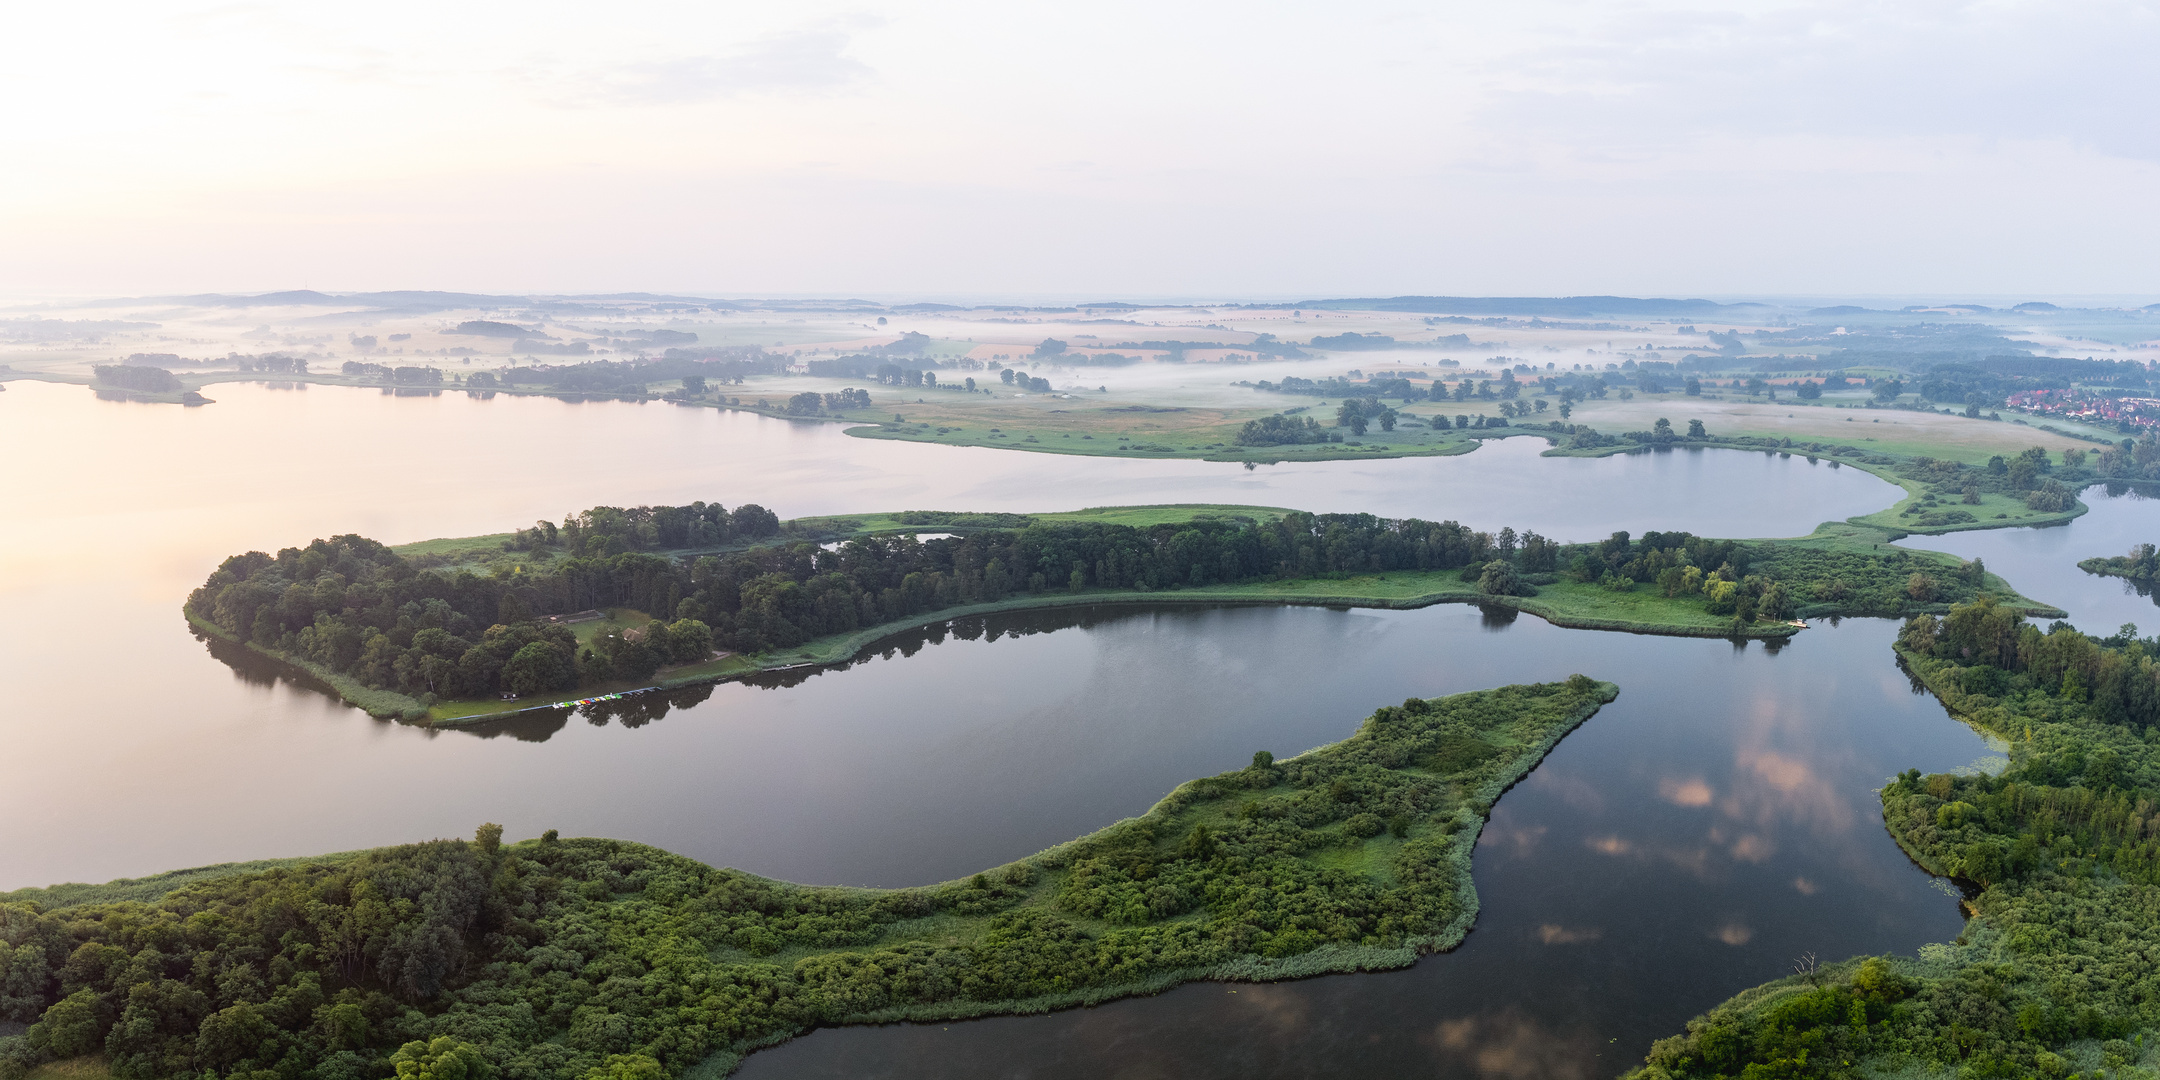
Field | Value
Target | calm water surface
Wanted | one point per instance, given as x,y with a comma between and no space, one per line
1716,821
2042,563
115,510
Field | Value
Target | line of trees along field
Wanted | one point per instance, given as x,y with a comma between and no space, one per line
2060,972
354,606
603,960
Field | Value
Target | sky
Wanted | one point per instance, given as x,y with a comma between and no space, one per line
1102,150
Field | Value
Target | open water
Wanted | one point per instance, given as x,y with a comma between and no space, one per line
1712,825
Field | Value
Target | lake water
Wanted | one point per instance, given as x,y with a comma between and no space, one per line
1694,838
1713,824
2042,563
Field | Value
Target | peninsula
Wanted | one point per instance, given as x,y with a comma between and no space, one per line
575,959
617,600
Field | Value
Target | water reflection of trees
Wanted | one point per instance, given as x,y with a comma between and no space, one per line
631,711
985,628
257,670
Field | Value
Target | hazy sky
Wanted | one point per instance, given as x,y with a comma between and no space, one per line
1123,149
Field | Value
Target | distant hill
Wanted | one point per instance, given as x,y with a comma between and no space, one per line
423,301
1571,307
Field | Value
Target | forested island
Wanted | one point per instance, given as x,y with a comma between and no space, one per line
2058,971
563,959
2142,565
676,594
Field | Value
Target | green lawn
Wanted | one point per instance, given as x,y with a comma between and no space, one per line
1167,514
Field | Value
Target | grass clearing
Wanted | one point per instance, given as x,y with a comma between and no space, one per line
87,1067
1889,431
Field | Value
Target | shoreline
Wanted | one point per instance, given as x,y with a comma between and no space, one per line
1460,441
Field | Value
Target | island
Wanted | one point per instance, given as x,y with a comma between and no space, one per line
573,959
623,600
2141,566
2059,860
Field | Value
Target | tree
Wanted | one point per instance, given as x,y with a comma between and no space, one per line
688,640
1694,387
2023,473
444,1058
1050,347
1809,391
1498,579
75,1025
537,668
628,1067
1695,430
1278,430
1776,603
1662,429
694,384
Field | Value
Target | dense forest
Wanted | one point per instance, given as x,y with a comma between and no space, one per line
2060,969
600,960
737,580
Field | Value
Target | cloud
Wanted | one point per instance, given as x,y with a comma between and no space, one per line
1522,839
1692,791
1508,1044
1733,933
1649,75
1609,845
1786,790
1752,848
1555,934
796,62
